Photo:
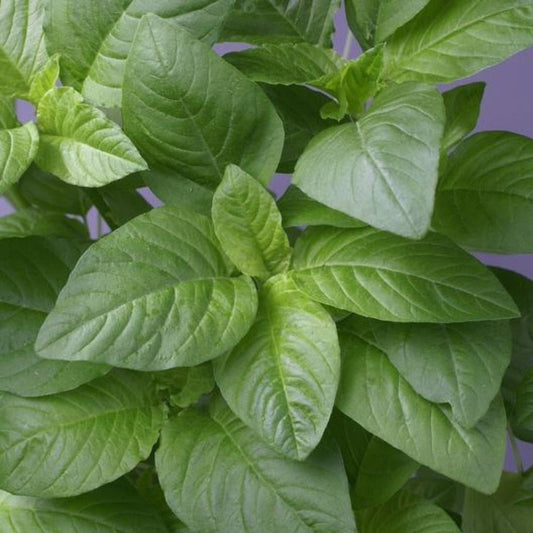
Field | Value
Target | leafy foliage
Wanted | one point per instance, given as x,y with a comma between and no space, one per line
333,360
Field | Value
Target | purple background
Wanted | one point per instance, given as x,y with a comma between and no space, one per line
506,106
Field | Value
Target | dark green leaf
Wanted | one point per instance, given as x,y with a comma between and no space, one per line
264,21
33,270
374,394
115,508
248,225
163,295
453,39
380,275
8,116
94,38
191,112
522,420
389,159
79,144
462,111
484,200
220,477
73,442
281,379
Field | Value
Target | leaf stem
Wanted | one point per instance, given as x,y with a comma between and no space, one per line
347,45
516,452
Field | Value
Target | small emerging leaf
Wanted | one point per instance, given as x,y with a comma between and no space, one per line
44,80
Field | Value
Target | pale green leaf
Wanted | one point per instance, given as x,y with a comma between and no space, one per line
281,379
218,476
32,221
94,38
191,112
76,441
248,225
22,51
44,80
18,148
406,513
115,508
522,418
501,512
79,144
264,21
8,116
384,168
485,198
463,105
297,209
445,363
380,275
453,39
33,270
374,394
155,294
286,64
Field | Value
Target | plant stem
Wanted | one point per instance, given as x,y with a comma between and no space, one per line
347,45
102,208
14,197
516,452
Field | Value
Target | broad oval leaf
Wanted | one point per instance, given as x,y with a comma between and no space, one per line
264,21
114,508
375,395
248,225
76,441
22,50
447,363
485,198
18,148
217,476
522,417
281,379
79,144
33,270
453,39
389,159
191,112
94,38
406,513
166,294
380,275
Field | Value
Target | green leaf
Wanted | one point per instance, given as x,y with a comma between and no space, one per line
375,395
406,513
264,21
522,419
281,379
33,270
44,80
8,116
297,209
380,275
463,105
94,38
166,295
79,144
389,159
286,63
191,112
299,109
22,51
222,478
248,225
32,221
115,508
178,191
18,147
453,39
445,363
76,441
502,512
484,200
47,192
197,381
372,21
